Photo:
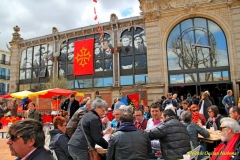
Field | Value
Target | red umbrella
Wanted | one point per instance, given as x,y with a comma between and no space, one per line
6,96
60,92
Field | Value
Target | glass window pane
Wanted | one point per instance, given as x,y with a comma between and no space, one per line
191,78
70,85
63,58
140,61
203,57
200,22
108,81
186,24
126,80
139,41
29,57
141,79
70,69
88,83
218,42
175,79
126,62
98,66
127,42
44,55
23,60
217,76
225,75
79,83
98,82
205,77
70,51
108,65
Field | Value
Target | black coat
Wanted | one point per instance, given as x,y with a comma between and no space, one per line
167,101
40,154
74,107
92,126
174,138
206,104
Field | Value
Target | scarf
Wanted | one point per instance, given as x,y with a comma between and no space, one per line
196,117
214,118
31,111
226,148
157,122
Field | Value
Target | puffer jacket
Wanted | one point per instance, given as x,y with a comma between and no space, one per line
129,143
92,126
58,143
174,138
193,130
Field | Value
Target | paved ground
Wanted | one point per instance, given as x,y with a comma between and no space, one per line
4,150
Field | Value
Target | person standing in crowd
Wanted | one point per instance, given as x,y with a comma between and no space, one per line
97,95
228,101
116,121
146,113
118,104
71,105
204,104
140,122
3,109
210,98
230,137
26,140
92,125
163,98
184,106
128,142
173,136
73,122
32,112
169,100
59,139
214,117
155,121
234,113
193,129
14,107
195,99
114,101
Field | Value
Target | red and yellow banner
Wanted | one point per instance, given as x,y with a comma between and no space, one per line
134,100
83,57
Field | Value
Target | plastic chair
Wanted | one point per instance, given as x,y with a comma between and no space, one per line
195,152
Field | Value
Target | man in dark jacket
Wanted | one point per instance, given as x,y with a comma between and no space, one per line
173,136
170,100
128,142
26,140
71,105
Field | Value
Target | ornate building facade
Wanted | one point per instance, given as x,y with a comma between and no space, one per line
177,46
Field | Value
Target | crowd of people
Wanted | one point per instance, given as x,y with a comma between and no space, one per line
167,129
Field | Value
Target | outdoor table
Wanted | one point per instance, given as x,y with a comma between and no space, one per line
214,136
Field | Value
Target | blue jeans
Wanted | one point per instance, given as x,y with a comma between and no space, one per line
227,111
77,153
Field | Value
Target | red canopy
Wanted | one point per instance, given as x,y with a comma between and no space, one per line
59,92
6,96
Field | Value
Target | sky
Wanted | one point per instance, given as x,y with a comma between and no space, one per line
36,18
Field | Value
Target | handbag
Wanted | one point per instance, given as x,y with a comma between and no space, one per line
92,153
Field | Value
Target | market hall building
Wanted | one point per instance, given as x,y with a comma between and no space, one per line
177,46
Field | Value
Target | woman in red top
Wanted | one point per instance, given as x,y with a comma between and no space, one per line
196,116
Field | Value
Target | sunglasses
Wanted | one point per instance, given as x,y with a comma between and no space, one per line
13,137
195,110
223,127
210,111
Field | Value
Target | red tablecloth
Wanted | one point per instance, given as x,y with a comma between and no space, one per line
6,120
47,118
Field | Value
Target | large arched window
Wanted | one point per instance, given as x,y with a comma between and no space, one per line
133,57
197,52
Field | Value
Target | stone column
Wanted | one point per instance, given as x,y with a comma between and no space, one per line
15,60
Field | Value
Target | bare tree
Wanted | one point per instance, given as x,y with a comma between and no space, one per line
58,82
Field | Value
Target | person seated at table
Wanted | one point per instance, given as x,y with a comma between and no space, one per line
128,142
193,129
214,117
173,136
116,121
91,125
3,109
230,132
32,112
196,116
59,140
234,113
140,122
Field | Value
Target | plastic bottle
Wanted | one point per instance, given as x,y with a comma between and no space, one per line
215,126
